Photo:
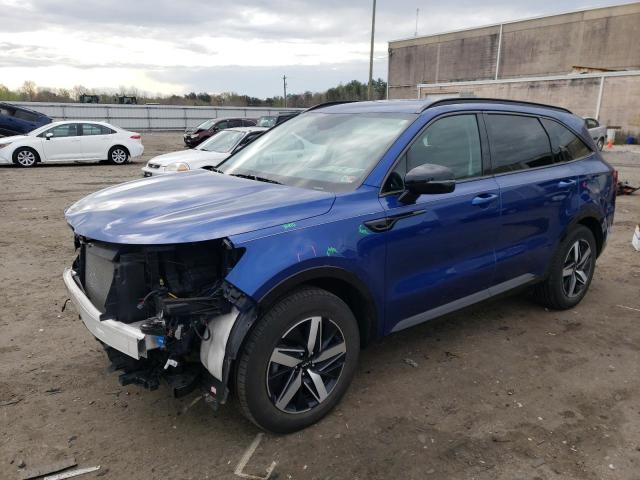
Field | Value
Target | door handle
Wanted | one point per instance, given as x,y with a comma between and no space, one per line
566,183
484,199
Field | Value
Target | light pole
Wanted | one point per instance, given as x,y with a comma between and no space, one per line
284,83
373,30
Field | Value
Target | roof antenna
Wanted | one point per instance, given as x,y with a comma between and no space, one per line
417,15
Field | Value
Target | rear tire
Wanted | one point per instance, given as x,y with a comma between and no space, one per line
570,272
600,144
25,157
298,361
118,155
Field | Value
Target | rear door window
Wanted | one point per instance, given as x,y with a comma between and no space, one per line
91,129
565,144
517,143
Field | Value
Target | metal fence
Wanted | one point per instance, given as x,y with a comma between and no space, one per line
147,117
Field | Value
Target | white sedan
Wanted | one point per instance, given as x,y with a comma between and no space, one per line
208,154
71,141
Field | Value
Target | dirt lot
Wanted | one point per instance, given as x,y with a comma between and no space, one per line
505,390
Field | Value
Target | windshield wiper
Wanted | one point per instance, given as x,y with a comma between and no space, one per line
256,178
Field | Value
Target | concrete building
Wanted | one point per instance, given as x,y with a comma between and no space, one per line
587,61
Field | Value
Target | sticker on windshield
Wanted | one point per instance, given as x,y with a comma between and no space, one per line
289,226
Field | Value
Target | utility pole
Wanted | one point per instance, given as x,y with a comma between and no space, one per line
417,15
284,83
373,29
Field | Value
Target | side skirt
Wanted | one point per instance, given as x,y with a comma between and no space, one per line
464,302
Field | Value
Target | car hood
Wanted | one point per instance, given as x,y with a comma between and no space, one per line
191,207
12,139
188,155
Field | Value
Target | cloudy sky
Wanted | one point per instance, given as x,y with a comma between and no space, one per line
171,46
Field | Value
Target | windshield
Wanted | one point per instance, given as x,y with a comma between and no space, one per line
222,142
317,150
206,125
266,122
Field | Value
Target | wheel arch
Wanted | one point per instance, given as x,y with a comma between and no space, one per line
591,218
28,147
343,284
116,145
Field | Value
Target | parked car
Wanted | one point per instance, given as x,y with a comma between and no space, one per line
343,225
208,154
598,132
15,120
71,141
271,121
195,136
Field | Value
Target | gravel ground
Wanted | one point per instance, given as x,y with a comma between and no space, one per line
504,390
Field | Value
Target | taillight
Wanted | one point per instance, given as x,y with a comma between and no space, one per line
136,136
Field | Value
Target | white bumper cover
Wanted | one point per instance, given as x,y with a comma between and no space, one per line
126,338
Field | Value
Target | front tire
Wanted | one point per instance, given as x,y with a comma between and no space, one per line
118,155
25,157
298,361
571,271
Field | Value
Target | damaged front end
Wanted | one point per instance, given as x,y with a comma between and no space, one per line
155,307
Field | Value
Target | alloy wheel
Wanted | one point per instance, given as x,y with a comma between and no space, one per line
305,365
118,156
577,268
26,158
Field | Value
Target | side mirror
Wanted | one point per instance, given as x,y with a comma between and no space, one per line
48,135
427,179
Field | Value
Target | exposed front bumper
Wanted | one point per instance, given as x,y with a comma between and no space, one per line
127,338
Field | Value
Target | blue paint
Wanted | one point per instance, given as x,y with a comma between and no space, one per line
451,250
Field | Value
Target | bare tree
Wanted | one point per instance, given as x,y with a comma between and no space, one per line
29,90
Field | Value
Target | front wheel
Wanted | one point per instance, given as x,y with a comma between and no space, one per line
298,361
118,155
571,271
25,157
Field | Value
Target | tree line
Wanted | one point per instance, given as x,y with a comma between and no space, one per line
353,90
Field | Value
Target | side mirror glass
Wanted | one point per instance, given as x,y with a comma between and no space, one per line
427,179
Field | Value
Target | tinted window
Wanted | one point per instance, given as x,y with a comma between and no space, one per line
24,115
93,129
453,142
6,112
565,145
517,143
222,125
66,130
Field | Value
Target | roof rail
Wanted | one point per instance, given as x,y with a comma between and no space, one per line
328,104
449,101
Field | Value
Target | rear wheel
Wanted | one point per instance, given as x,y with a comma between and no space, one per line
25,157
118,155
571,271
600,143
298,361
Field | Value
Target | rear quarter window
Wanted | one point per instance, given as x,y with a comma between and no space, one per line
517,143
565,144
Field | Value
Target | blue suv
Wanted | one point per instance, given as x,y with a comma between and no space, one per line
15,120
347,223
